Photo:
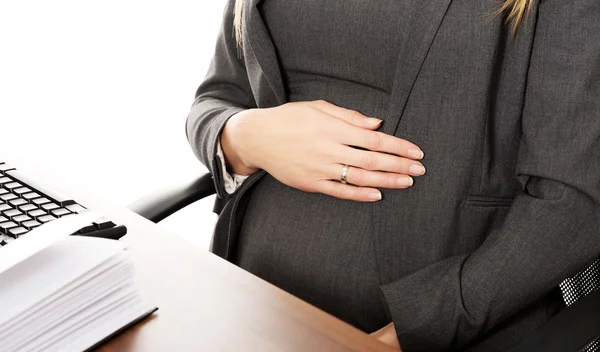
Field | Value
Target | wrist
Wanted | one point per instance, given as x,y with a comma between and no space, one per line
230,142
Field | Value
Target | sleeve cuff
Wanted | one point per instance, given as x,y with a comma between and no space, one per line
427,309
231,182
215,164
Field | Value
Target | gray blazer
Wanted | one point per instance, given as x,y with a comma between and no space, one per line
510,205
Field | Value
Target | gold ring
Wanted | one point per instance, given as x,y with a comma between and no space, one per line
344,174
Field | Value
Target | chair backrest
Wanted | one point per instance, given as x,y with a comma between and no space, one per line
580,285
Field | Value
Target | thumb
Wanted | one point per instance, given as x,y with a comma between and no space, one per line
352,117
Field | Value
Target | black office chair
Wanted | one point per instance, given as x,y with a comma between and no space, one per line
575,329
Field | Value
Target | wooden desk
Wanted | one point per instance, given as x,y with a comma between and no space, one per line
208,304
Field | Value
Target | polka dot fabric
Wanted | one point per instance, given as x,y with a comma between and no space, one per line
580,285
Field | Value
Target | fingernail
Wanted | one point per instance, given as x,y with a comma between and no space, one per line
417,170
374,196
416,154
373,121
405,181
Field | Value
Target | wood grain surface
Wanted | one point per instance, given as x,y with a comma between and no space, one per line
208,304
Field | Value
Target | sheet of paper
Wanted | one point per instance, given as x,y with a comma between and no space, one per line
65,292
48,271
71,298
42,237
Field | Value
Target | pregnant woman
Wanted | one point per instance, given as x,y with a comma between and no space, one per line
426,170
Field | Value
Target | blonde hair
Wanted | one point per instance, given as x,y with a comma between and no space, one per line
238,11
514,10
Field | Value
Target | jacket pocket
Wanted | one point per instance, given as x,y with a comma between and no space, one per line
479,201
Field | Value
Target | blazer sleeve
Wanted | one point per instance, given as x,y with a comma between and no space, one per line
552,229
224,92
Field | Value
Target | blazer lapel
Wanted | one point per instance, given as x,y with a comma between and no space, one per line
259,42
425,19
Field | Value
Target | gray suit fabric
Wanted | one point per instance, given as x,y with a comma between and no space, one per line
471,256
316,247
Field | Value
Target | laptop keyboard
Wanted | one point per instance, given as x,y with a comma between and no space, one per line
26,204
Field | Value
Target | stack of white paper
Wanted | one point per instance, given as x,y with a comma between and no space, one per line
68,296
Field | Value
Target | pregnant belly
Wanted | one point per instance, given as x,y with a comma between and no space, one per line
316,247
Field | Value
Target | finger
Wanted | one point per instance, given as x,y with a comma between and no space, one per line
367,178
376,161
352,117
381,142
387,335
348,192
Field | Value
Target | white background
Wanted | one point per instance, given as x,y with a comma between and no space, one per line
94,96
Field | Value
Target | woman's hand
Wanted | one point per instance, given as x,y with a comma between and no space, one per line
306,144
387,335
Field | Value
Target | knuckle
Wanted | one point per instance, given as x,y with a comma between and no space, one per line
390,181
321,187
339,193
372,140
398,145
353,117
400,166
367,161
324,153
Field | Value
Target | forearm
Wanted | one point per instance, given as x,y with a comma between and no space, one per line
550,233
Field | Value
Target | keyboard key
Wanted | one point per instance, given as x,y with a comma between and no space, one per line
31,195
75,208
13,185
104,223
57,197
5,168
8,196
60,212
22,190
5,207
4,180
5,226
18,201
36,213
27,207
46,218
12,213
50,206
3,191
4,219
40,201
21,218
17,231
30,224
